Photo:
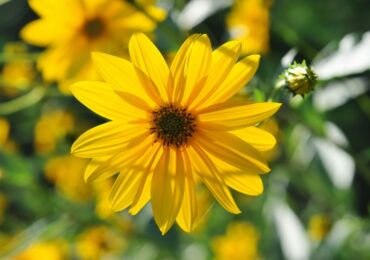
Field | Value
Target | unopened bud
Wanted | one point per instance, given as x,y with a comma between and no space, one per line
300,78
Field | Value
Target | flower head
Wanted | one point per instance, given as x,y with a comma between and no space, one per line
100,242
319,226
51,250
171,127
66,172
7,144
72,29
4,131
50,128
248,21
300,78
240,242
18,73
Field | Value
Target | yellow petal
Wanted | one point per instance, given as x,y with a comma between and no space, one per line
101,99
167,189
258,138
238,77
93,165
197,68
244,181
142,195
55,62
157,13
43,32
250,184
178,68
188,211
132,152
124,189
223,60
106,139
238,116
57,9
210,177
146,57
121,76
139,21
93,6
232,150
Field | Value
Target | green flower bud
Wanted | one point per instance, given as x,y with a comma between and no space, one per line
300,78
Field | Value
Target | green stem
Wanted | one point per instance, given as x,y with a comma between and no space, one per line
279,85
22,102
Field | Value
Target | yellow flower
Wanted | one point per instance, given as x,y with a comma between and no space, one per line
6,143
99,242
248,21
103,207
72,29
18,73
50,250
66,172
239,243
3,206
171,124
4,131
50,128
319,226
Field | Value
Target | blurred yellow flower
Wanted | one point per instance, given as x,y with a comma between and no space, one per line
239,243
319,226
48,250
4,131
103,207
50,128
72,29
100,242
3,206
66,172
18,73
168,124
248,21
6,143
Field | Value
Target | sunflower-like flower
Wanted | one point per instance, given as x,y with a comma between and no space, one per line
171,127
239,243
248,21
72,29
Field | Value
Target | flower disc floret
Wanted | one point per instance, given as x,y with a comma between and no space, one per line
94,28
172,125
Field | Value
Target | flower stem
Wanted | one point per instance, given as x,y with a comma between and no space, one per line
279,85
22,102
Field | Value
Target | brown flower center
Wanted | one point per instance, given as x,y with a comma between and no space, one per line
172,125
94,27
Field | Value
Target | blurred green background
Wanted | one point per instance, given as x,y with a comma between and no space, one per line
317,197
